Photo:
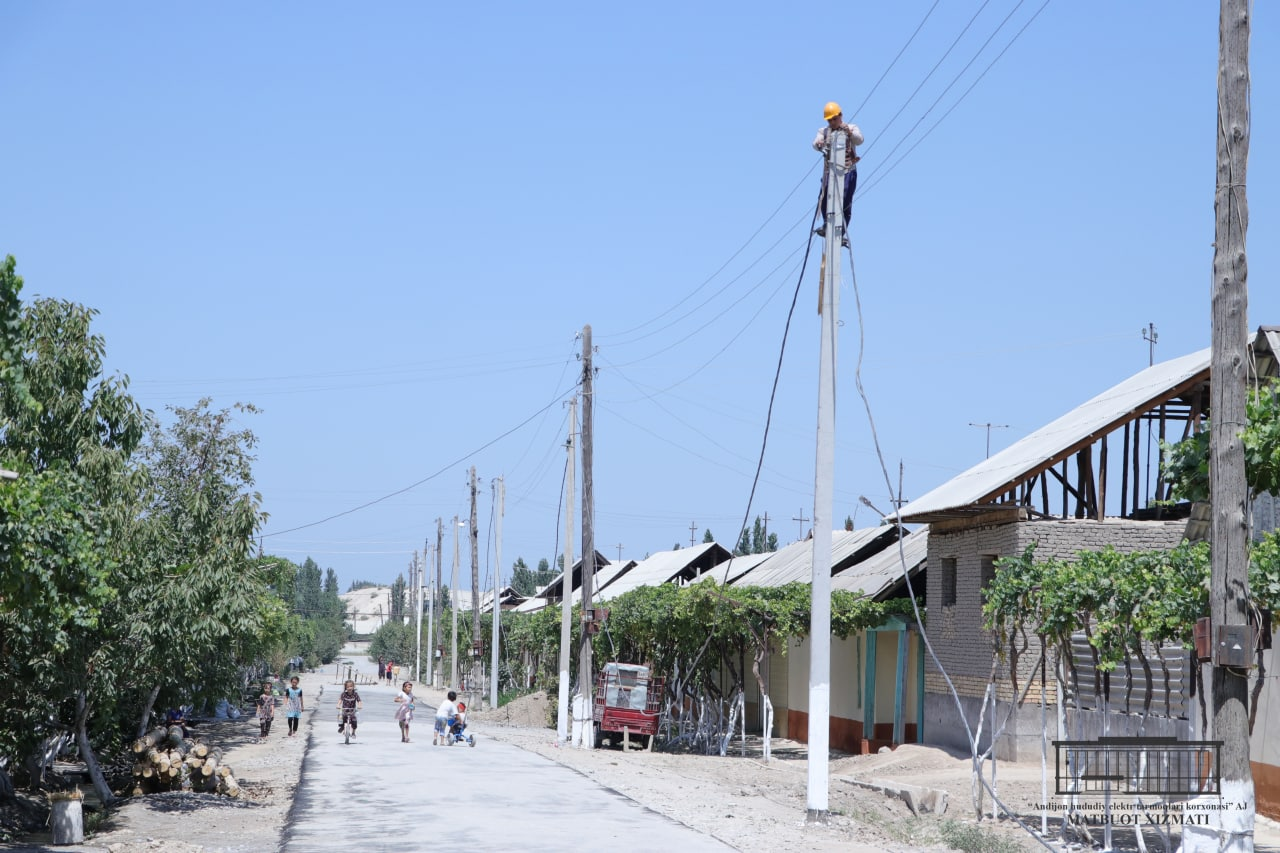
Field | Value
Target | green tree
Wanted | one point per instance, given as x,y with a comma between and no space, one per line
1186,464
69,431
744,543
545,574
196,586
521,578
707,538
398,610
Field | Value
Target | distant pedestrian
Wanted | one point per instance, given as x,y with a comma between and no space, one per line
382,667
395,672
293,707
404,714
266,705
390,672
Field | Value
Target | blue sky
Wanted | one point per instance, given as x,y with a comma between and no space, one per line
385,227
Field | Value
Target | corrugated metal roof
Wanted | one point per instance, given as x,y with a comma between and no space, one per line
795,562
551,591
989,479
665,566
882,572
736,567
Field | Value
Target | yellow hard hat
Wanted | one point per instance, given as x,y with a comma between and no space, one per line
831,110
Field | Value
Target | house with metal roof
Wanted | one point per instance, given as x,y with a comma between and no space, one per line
551,593
877,675
1081,482
679,567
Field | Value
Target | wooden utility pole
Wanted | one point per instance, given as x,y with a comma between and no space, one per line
563,729
1229,578
473,680
588,537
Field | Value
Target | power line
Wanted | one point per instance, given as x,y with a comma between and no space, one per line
960,100
919,27
429,477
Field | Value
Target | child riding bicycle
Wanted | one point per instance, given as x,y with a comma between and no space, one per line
348,703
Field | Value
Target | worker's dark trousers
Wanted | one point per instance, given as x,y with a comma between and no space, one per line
850,184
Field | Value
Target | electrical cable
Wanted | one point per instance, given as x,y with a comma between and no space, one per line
426,479
947,88
773,394
874,181
938,64
919,27
906,573
709,278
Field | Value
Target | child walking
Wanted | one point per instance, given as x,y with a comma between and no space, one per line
404,714
266,704
348,703
293,705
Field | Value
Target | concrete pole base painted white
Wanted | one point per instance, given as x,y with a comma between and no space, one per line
581,722
1221,824
67,821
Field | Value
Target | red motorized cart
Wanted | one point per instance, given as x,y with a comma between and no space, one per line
627,701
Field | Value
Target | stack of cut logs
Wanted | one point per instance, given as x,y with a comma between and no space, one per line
167,761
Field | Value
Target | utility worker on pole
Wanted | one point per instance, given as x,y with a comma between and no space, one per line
836,124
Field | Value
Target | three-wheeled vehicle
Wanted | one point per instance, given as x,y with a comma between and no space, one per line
627,702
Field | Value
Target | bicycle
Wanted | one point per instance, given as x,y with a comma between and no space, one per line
347,721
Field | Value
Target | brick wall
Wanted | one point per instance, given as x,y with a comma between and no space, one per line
956,632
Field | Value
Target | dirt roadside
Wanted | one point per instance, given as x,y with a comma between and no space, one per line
752,806
207,823
760,808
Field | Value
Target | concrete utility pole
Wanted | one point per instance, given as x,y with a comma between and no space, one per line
417,622
566,584
588,536
1229,574
453,606
473,680
823,495
497,574
989,426
431,617
438,642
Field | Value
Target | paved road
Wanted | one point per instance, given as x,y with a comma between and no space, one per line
380,794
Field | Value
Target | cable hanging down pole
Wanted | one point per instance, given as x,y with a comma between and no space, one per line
823,494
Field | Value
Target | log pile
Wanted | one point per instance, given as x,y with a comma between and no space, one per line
167,761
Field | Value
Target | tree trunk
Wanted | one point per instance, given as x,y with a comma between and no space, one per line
86,751
765,702
145,719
